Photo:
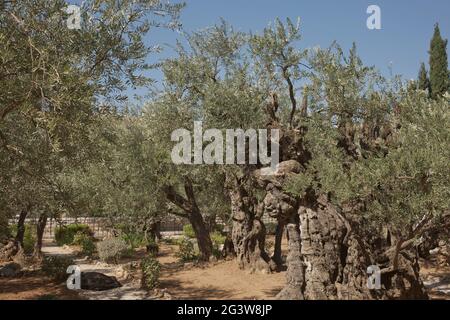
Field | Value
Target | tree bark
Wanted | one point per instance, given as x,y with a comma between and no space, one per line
276,257
15,246
328,259
321,247
202,234
295,276
21,228
248,231
228,248
40,228
193,214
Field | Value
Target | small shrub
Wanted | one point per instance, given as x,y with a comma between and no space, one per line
64,235
171,241
111,250
29,237
217,240
188,231
134,240
152,247
271,228
56,266
186,251
150,272
86,243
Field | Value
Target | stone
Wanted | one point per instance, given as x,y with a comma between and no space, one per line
97,281
122,272
10,270
434,251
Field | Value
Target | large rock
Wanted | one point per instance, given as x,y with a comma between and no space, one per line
10,270
97,281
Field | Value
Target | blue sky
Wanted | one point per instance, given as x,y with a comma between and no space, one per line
407,26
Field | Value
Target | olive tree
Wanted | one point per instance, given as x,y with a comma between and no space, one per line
374,182
54,79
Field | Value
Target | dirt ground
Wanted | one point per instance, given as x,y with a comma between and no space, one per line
34,286
436,279
219,280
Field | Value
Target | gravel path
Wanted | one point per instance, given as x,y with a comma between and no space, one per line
130,290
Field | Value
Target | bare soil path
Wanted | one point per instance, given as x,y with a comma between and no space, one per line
221,280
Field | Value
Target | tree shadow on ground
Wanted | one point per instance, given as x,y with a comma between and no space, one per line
33,285
191,292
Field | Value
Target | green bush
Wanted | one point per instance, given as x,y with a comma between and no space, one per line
171,241
271,228
186,251
150,272
65,234
111,250
217,240
29,237
56,266
86,243
188,231
134,240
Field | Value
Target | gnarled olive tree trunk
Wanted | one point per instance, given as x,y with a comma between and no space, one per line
330,250
248,231
15,246
336,259
295,277
277,258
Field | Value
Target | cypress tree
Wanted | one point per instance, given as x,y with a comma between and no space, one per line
423,83
439,77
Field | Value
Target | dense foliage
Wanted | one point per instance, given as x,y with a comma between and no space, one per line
66,234
366,152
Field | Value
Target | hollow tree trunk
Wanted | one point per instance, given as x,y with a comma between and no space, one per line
336,258
193,214
40,228
324,255
295,276
248,231
276,257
